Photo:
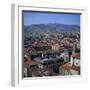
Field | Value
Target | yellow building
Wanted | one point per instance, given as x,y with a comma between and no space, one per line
55,47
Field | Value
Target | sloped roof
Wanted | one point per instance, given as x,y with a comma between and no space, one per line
30,63
68,66
77,55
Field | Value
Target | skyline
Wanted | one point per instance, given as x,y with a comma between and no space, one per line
30,18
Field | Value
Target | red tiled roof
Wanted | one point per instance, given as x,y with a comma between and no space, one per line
68,66
77,55
30,63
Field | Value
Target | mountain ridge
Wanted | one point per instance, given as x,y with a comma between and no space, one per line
51,27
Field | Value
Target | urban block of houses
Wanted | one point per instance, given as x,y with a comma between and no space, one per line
72,67
28,66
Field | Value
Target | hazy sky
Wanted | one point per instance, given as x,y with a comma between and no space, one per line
44,18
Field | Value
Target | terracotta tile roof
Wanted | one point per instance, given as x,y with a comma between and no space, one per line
68,66
30,63
77,55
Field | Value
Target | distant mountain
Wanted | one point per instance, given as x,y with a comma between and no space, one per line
51,27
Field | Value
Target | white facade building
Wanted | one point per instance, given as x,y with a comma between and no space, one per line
72,67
